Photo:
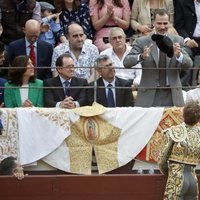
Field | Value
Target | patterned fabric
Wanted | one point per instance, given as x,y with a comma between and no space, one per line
88,133
106,133
81,16
86,59
179,180
171,117
179,154
9,140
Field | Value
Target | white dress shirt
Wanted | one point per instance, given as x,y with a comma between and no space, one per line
133,73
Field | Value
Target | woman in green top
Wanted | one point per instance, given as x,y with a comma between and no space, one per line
22,88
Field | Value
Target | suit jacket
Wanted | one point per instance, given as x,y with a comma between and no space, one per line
54,95
44,56
150,77
185,17
124,97
12,97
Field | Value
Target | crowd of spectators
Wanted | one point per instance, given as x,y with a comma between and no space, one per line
51,41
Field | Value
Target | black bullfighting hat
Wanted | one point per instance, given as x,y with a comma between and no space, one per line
164,43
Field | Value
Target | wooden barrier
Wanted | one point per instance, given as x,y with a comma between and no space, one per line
120,184
77,187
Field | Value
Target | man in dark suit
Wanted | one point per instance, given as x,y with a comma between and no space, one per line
186,16
185,20
109,83
156,88
66,90
40,52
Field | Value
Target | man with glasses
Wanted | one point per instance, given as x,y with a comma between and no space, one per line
65,90
110,90
117,53
83,53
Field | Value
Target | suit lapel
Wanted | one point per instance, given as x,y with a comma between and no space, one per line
118,95
59,91
72,91
101,94
154,53
190,5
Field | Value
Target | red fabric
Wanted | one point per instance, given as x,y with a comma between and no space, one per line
32,54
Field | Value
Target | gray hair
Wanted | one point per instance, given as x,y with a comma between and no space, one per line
115,29
101,58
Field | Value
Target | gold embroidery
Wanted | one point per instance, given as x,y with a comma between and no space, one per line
60,117
9,138
103,138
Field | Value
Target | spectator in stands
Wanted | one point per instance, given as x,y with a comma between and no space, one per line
74,11
142,15
107,92
179,155
4,61
22,88
187,23
50,23
15,13
39,51
65,96
2,83
84,54
106,14
10,166
159,87
194,94
117,53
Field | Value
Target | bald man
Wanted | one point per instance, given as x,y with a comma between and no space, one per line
83,53
39,51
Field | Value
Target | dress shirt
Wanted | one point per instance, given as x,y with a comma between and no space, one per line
197,28
134,74
85,60
63,84
28,49
106,83
193,95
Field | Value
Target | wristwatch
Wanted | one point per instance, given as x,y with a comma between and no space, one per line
141,58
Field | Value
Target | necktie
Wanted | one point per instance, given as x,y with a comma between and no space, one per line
110,97
32,54
66,88
162,72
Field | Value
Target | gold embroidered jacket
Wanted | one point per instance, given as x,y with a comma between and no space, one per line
181,144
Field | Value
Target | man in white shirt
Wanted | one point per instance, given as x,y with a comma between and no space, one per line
117,53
